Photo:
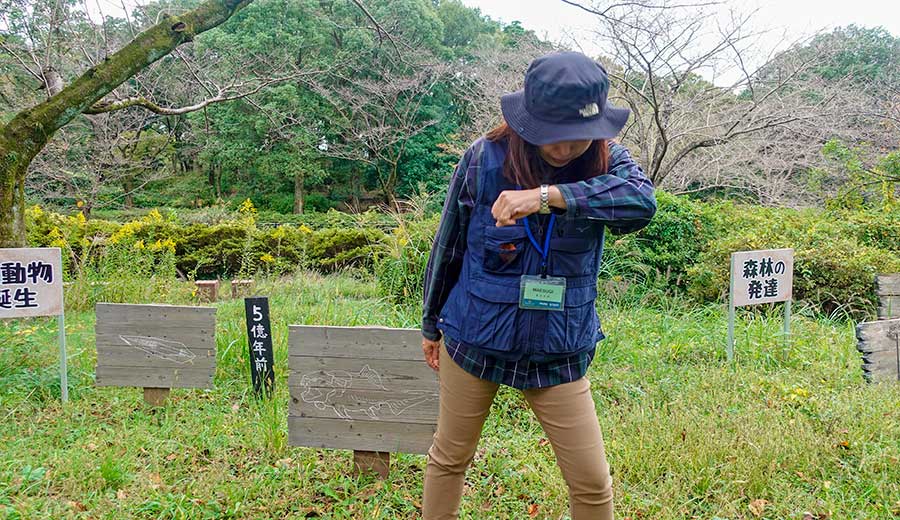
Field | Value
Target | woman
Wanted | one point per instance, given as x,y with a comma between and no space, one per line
512,276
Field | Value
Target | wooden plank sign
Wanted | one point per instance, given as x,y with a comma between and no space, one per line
887,286
764,276
31,282
366,389
879,343
155,346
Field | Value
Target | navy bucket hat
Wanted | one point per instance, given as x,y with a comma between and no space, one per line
564,99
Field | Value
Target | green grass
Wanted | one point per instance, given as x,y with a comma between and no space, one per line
688,435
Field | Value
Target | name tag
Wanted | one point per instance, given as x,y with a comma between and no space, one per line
536,292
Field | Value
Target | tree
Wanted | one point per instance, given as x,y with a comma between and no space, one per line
378,115
378,97
693,134
277,143
464,27
28,132
870,181
494,68
103,165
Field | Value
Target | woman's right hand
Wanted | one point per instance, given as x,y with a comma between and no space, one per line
432,350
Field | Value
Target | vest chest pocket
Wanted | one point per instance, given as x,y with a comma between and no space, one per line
572,253
503,249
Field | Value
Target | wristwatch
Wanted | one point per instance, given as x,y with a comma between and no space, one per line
545,199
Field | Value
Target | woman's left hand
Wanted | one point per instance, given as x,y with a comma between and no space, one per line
515,204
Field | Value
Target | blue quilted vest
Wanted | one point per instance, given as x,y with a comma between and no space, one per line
482,310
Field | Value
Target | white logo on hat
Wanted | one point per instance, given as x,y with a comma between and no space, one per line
591,109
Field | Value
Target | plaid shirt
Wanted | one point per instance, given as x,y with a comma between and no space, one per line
622,199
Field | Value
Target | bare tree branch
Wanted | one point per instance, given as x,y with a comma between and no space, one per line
218,98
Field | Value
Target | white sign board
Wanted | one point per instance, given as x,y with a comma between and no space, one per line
30,282
762,276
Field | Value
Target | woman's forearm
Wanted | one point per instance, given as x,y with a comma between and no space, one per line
556,198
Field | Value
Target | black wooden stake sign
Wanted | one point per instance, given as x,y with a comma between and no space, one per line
259,334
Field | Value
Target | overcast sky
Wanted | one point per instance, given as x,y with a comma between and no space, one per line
780,21
553,17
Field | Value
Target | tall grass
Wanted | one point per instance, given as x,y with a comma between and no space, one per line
790,425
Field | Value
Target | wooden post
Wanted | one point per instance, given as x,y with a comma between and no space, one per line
378,462
241,288
879,343
207,290
156,396
887,286
63,362
729,347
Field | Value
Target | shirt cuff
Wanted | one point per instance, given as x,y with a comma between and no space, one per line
571,210
430,330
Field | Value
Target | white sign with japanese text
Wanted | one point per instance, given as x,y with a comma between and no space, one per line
30,282
762,276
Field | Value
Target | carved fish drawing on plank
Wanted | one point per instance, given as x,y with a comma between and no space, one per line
334,389
166,349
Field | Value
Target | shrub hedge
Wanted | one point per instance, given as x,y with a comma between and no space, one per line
685,248
237,247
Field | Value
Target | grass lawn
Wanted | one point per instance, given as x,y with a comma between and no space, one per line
786,430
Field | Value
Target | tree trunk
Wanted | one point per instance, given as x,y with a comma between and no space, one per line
298,193
128,188
28,132
218,186
211,176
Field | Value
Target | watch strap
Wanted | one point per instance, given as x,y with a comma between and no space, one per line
545,199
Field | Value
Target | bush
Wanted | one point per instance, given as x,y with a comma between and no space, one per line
282,249
674,238
873,228
232,247
833,269
401,271
329,219
319,203
688,245
110,262
212,251
276,202
332,249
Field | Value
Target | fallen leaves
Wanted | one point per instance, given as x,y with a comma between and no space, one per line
77,506
532,510
758,506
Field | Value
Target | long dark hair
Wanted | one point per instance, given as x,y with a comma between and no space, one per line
523,163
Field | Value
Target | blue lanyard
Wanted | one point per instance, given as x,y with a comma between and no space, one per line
545,251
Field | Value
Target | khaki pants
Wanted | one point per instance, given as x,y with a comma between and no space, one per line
567,414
